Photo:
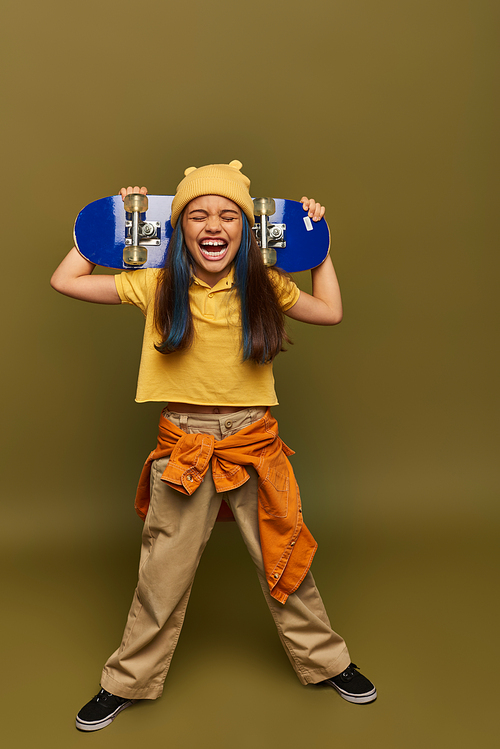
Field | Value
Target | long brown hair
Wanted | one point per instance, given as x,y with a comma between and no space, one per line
262,320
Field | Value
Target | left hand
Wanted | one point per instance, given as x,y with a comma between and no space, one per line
316,210
132,190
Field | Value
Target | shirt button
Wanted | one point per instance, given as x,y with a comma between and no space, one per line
210,295
292,543
276,576
228,424
189,478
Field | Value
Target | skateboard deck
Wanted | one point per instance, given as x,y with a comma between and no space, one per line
103,229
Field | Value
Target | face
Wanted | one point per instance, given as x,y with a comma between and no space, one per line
212,227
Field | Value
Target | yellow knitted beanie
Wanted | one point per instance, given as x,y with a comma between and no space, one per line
214,179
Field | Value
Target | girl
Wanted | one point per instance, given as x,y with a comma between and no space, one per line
214,323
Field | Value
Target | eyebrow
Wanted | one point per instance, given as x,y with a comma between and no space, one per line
202,210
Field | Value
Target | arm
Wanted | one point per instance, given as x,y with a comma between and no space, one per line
324,306
73,277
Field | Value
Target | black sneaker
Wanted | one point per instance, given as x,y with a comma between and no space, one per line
353,686
101,711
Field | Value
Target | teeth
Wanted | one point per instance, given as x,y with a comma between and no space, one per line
214,254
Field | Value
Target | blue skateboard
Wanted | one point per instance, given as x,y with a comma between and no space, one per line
136,234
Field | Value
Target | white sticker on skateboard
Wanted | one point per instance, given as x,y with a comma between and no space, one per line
308,223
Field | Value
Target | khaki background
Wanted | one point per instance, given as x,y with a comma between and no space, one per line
387,112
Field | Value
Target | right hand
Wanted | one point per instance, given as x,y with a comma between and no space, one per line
129,190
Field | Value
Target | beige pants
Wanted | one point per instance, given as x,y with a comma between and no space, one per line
176,530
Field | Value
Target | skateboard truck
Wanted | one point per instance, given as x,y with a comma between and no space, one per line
269,236
148,231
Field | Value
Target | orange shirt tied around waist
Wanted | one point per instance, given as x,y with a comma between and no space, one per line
287,545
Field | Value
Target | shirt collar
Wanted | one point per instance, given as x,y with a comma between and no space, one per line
225,283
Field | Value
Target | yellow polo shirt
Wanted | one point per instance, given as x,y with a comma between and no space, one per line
211,371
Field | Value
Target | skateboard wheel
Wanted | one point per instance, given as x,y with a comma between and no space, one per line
264,206
136,203
269,256
134,255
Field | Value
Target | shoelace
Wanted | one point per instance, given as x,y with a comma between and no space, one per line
104,696
349,673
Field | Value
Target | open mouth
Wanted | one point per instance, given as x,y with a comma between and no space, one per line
213,249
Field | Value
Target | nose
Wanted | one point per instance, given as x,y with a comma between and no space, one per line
213,223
